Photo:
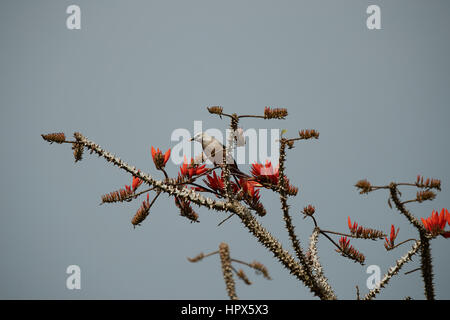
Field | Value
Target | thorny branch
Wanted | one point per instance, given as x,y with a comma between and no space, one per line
428,229
240,197
393,271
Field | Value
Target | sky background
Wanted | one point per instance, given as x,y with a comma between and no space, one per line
138,70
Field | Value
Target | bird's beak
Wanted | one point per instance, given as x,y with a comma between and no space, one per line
192,139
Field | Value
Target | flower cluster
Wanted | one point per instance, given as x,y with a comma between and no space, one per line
77,147
308,134
249,187
190,169
390,243
247,190
276,113
309,211
58,137
186,209
241,275
135,183
268,175
159,159
366,233
428,183
118,196
251,195
217,183
260,268
215,110
425,195
435,224
364,186
123,194
141,213
348,251
77,151
290,189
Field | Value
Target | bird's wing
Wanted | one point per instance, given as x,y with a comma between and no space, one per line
213,149
214,152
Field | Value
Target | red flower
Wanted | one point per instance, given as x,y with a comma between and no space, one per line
265,173
191,169
159,159
251,195
344,243
389,244
435,223
348,251
268,175
136,183
215,182
362,232
353,228
249,188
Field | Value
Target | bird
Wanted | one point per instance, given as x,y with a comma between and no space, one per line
213,149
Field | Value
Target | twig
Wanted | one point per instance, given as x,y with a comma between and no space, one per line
403,242
413,270
226,219
347,235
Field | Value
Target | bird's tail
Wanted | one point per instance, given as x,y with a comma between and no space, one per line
238,175
234,170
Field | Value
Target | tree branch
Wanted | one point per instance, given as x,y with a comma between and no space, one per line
393,271
262,235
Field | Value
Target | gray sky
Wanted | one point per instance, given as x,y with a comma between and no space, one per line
137,70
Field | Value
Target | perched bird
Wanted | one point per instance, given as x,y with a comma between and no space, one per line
213,150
